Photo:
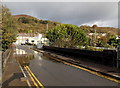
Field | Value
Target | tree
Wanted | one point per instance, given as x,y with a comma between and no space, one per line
24,20
86,28
44,21
94,26
113,41
67,35
35,20
8,28
102,41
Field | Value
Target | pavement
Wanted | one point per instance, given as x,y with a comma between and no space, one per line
12,74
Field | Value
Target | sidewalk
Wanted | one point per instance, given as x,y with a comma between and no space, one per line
12,74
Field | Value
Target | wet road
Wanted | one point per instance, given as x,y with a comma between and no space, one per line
53,73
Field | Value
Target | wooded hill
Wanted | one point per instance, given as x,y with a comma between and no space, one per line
28,24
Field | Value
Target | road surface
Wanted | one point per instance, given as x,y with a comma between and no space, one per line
52,73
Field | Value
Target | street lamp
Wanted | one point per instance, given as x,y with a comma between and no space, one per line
95,37
94,28
118,55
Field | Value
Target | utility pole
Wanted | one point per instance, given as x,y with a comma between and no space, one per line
46,24
47,27
95,37
94,28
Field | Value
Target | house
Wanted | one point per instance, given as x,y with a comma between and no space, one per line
21,38
24,38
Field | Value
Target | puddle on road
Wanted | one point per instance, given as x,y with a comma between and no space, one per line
20,51
23,57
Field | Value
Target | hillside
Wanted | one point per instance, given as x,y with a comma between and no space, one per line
110,30
23,15
28,24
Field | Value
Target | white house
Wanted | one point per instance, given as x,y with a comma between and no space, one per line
23,38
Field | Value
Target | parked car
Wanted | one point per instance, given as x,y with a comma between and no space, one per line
23,43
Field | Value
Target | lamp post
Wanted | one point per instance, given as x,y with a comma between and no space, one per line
94,28
47,27
118,55
45,23
95,37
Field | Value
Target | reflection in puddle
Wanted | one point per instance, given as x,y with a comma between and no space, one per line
38,55
20,51
22,57
25,58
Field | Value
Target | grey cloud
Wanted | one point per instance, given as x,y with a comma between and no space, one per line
69,12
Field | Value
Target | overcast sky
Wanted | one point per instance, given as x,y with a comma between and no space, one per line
77,13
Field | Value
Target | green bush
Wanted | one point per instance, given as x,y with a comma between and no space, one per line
67,35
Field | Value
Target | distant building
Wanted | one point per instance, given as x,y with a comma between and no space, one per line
23,38
45,41
98,35
103,34
117,37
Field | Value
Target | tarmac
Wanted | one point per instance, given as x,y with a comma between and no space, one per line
12,74
102,69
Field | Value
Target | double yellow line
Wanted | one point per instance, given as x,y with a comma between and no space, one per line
95,73
92,72
34,79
